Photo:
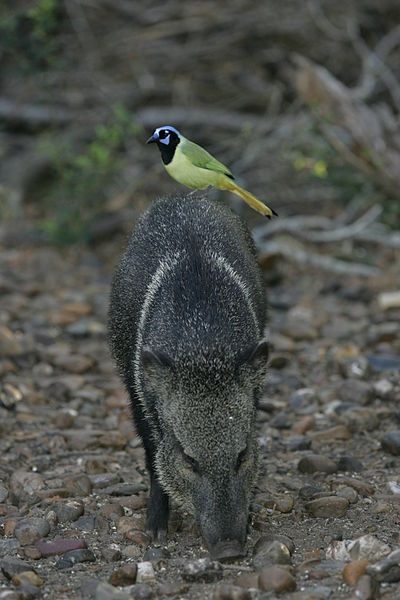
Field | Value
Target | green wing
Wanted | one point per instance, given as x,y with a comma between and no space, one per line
201,158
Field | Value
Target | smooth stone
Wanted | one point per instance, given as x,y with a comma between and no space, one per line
112,511
68,511
367,588
248,581
105,591
303,401
203,569
328,506
124,576
86,523
298,442
138,537
88,587
350,463
32,552
384,362
384,389
354,390
11,566
141,591
26,482
28,591
338,432
103,480
316,462
145,572
354,570
271,553
280,421
366,547
156,554
111,553
231,592
123,489
27,577
29,531
69,559
6,594
309,491
388,569
60,546
349,493
283,503
276,579
391,442
79,485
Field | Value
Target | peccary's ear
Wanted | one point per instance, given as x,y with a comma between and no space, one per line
151,358
257,356
156,366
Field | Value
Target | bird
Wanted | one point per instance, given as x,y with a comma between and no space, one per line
190,164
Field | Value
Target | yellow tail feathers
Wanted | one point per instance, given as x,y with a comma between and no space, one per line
251,200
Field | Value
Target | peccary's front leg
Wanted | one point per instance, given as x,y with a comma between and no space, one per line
157,511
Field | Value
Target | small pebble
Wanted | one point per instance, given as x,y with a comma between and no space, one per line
248,581
349,493
27,577
60,546
354,570
156,554
203,569
328,506
276,579
145,572
105,591
11,566
68,511
231,592
124,576
391,442
298,442
270,553
367,588
315,462
29,531
123,489
69,559
141,591
111,553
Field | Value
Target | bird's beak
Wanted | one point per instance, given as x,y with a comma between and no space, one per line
152,139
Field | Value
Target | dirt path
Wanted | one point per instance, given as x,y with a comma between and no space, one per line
71,466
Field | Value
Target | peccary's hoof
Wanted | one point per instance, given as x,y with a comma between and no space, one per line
227,550
158,536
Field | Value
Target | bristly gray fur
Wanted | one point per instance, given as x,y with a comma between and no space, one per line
189,292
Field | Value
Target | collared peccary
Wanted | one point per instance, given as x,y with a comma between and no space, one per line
186,322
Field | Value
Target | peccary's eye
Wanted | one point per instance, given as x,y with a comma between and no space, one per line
242,457
191,462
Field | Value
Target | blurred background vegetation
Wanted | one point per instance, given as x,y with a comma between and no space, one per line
84,82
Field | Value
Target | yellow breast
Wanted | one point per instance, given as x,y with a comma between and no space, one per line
185,172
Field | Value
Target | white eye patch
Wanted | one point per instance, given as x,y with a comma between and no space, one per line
165,140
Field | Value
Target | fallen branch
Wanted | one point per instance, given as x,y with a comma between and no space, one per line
326,263
36,115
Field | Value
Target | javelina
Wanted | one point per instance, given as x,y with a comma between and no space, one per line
186,321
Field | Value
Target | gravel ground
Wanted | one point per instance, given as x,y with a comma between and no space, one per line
73,487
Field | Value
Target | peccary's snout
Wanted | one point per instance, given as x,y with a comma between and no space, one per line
227,550
222,508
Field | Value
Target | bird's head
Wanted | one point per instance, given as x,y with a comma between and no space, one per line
165,137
